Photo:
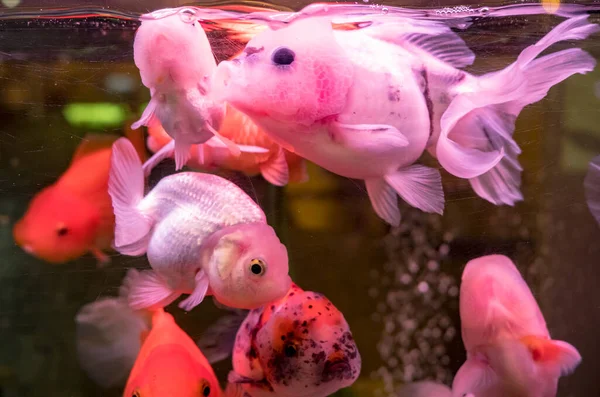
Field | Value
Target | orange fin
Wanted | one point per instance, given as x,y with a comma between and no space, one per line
92,143
554,352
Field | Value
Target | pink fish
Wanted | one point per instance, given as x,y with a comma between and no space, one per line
366,103
509,349
202,234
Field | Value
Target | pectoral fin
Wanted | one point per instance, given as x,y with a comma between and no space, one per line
372,137
197,296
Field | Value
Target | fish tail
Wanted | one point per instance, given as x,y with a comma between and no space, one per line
108,339
476,130
126,189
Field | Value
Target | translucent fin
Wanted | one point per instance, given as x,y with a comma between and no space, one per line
380,137
591,185
384,200
107,336
182,154
276,171
197,296
167,151
147,115
146,290
126,188
218,340
556,353
474,375
419,186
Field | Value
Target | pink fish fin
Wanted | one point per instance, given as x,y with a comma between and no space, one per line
103,259
371,138
182,154
275,171
167,151
218,143
419,186
559,354
233,148
147,115
591,186
218,340
501,184
147,290
432,37
474,376
234,377
384,200
234,390
197,296
107,340
425,389
568,357
126,189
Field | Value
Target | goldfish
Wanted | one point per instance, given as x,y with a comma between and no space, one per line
74,215
592,187
366,103
159,358
175,60
297,346
275,164
509,349
202,235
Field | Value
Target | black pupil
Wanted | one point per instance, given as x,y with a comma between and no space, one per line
283,56
256,268
206,391
290,351
62,231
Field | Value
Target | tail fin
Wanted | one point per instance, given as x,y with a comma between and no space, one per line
591,185
108,339
476,130
126,189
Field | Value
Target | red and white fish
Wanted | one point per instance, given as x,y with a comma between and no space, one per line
157,358
298,346
366,103
74,215
276,165
509,349
202,234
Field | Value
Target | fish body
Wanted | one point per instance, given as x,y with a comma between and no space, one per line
202,235
175,60
298,346
73,216
509,349
366,103
275,164
157,358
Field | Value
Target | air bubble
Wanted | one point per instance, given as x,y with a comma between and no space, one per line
384,10
484,10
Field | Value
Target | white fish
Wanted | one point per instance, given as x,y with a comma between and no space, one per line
202,235
366,103
509,349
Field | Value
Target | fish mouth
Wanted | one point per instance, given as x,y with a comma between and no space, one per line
336,369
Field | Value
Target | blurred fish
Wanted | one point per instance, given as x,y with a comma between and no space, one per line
202,234
74,215
276,165
366,103
175,61
592,187
159,357
298,346
509,350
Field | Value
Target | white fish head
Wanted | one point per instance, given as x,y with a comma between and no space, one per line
249,267
297,74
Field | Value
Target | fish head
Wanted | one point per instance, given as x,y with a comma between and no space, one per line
306,347
169,370
249,267
297,74
57,227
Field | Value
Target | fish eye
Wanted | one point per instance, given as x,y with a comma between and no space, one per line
283,56
290,351
62,230
205,388
258,267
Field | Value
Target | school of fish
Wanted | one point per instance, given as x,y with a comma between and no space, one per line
363,94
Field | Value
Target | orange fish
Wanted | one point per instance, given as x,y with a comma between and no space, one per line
277,166
167,362
74,215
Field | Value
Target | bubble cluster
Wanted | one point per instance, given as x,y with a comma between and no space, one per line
416,300
454,10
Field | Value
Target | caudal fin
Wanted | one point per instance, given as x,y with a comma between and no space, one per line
476,130
126,189
591,185
108,339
